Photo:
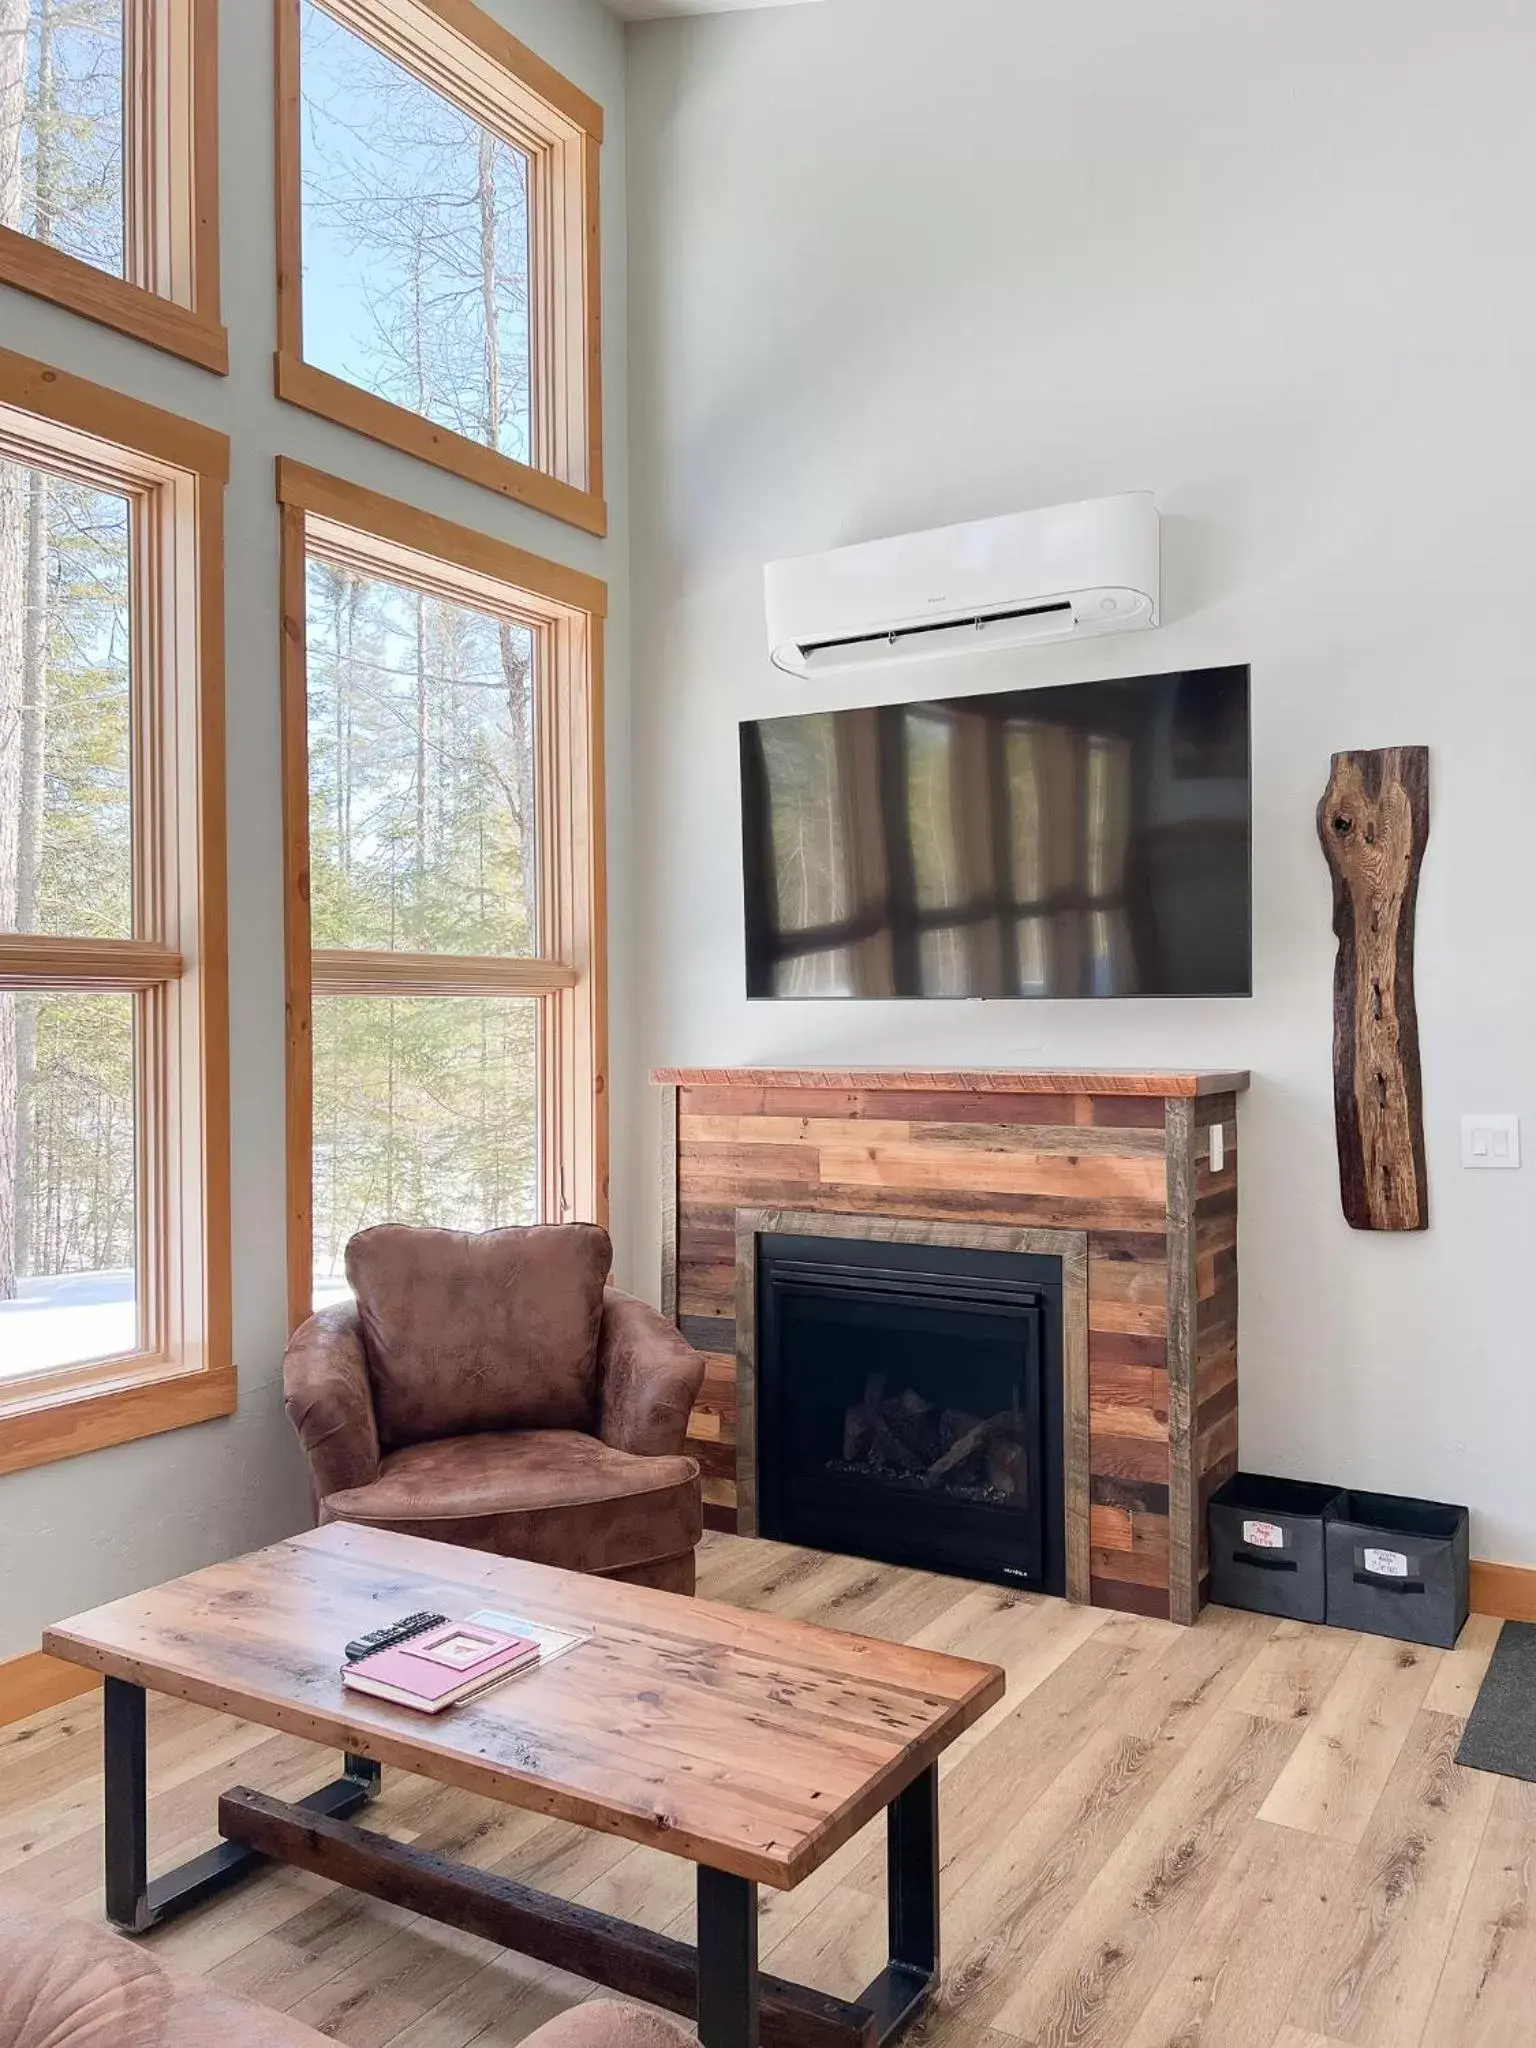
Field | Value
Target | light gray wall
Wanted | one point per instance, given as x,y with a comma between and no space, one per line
77,1533
899,262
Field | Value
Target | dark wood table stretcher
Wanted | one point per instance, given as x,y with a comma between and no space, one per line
752,1746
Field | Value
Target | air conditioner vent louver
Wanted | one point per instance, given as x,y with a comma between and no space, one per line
976,620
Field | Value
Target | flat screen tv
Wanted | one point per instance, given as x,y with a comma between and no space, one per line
1092,840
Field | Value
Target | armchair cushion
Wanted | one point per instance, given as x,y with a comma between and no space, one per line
67,1985
496,1331
551,1496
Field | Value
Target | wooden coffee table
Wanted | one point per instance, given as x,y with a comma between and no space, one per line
753,1747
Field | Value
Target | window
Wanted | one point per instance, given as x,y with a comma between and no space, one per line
114,1281
109,165
443,818
438,252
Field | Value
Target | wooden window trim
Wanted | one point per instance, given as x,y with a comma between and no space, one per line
174,473
567,610
461,53
170,295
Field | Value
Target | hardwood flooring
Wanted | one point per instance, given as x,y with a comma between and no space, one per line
1244,1835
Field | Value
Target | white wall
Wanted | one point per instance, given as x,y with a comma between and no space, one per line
77,1533
898,262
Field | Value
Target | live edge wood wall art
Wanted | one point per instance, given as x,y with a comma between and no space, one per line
1123,1158
1374,824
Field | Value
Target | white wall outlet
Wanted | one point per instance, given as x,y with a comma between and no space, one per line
1218,1147
1491,1142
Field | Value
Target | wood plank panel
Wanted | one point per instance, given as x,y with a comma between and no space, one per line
714,1414
1111,1952
1459,1678
1484,1996
1351,1746
1068,1176
1373,1981
1255,1934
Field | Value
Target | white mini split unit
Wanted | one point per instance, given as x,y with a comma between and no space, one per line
1020,581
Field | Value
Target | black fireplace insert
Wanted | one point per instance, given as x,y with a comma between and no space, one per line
909,1405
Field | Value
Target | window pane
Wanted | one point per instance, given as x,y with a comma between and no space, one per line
938,859
829,973
415,227
65,815
422,832
426,1111
805,792
61,126
67,1219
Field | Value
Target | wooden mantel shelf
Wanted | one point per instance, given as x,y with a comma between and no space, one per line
957,1081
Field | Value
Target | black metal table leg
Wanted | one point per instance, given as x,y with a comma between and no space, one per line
727,1960
363,1771
135,1903
901,1990
912,1874
126,1786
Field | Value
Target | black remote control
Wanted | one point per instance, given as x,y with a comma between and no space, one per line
386,1638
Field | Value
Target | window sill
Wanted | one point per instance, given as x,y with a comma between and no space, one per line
64,280
69,1422
348,405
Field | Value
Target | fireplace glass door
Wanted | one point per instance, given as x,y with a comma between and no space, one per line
909,1405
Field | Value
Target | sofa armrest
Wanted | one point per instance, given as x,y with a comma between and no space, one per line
329,1400
649,1375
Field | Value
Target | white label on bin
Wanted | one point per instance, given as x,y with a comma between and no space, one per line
1264,1535
1387,1564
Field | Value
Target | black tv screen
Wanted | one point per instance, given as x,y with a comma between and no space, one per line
1092,840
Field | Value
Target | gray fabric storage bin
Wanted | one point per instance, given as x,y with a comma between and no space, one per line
1267,1545
1398,1567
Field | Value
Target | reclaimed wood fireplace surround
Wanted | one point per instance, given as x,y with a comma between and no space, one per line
1115,1167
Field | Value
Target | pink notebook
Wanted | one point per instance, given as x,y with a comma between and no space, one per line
447,1664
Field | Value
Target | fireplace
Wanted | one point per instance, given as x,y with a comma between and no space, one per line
1130,1179
909,1404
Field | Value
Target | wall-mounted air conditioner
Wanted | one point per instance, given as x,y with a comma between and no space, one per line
1059,574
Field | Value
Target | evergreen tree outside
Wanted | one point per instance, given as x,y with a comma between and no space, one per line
421,840
61,126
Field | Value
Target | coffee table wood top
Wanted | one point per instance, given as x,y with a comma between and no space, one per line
752,1743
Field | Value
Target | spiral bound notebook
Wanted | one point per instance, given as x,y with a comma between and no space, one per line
442,1666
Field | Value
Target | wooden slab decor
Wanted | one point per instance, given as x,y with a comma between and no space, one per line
753,1744
1123,1159
1374,825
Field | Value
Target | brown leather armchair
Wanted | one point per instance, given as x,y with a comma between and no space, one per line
494,1391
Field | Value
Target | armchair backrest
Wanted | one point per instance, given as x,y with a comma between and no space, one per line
465,1332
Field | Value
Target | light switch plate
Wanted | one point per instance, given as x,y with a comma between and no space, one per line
1491,1143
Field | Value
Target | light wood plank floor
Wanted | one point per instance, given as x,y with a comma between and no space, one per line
1244,1835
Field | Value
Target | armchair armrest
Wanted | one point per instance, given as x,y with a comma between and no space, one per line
329,1400
650,1378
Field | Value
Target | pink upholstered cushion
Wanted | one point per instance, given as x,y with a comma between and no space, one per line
602,2024
467,1333
64,1984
